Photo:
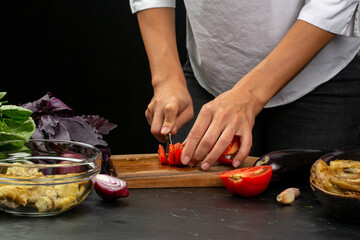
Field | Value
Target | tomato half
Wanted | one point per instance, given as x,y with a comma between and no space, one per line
247,182
230,152
162,155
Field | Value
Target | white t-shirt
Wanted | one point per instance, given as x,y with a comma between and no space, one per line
227,38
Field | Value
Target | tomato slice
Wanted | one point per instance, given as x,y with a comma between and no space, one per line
171,158
178,149
230,152
247,182
162,155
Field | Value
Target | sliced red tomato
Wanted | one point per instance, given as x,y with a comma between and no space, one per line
171,159
177,153
247,182
173,156
229,154
162,155
176,149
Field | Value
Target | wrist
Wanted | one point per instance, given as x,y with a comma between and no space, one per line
171,76
258,87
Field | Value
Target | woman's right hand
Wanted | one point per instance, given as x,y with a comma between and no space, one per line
170,108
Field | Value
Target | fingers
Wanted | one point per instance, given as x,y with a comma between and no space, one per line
218,149
193,139
209,157
165,117
161,119
149,113
244,151
171,111
211,135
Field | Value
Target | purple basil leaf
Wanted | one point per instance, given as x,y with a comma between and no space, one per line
49,105
102,125
55,120
48,124
38,134
80,130
36,105
56,105
61,133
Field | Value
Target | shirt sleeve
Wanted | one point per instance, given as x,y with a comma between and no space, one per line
138,5
337,16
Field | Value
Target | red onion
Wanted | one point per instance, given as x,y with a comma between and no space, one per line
73,155
71,169
109,187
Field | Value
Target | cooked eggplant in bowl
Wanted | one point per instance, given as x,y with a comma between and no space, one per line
335,180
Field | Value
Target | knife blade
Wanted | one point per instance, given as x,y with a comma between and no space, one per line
168,138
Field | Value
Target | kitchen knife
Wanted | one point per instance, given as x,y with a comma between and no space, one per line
168,138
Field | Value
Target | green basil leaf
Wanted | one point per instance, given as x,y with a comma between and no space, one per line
2,94
4,146
4,127
21,128
15,112
15,124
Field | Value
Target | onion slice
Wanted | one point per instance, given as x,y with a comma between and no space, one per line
110,188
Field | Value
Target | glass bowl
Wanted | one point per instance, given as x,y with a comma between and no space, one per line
42,177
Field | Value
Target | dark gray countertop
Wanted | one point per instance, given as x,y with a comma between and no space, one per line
186,213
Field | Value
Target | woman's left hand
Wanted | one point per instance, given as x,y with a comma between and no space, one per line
231,113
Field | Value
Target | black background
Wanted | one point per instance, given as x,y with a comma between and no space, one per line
87,53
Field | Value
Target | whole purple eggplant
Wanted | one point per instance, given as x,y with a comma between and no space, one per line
290,165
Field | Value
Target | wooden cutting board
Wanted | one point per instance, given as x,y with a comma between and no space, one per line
145,171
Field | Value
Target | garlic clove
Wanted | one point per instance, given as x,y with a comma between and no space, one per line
288,195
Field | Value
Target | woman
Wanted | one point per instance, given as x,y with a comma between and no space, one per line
279,74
